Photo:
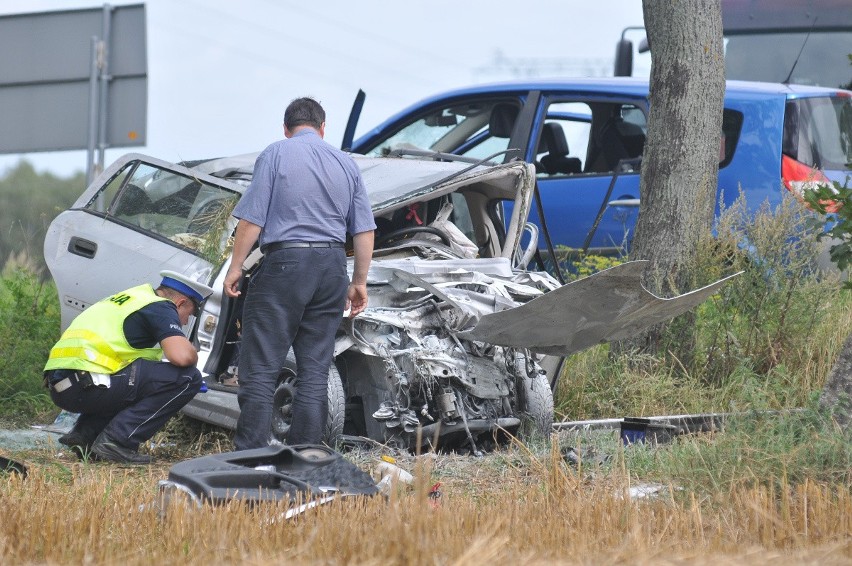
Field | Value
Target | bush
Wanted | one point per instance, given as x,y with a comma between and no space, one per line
29,322
767,340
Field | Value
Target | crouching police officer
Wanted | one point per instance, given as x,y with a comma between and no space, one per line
108,366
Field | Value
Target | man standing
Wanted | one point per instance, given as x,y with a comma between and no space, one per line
108,367
304,197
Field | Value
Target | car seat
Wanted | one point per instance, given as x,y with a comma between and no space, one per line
615,141
502,120
557,161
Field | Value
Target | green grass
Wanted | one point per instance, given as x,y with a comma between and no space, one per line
29,325
755,448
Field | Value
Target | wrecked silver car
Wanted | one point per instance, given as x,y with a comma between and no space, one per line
460,344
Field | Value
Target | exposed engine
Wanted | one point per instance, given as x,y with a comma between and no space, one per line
435,384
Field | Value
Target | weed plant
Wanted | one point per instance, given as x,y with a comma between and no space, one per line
29,323
767,318
767,340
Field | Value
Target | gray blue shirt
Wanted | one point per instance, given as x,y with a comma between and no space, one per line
305,190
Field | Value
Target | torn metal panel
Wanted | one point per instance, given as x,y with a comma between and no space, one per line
609,305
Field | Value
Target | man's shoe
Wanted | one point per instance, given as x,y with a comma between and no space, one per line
79,445
73,438
106,448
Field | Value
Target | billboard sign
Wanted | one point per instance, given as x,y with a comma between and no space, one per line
49,75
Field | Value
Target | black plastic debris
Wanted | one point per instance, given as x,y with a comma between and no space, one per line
8,467
300,473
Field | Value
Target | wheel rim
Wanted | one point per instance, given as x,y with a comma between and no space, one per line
282,406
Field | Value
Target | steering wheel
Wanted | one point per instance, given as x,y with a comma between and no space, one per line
409,231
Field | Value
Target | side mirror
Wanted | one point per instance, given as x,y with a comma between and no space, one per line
623,58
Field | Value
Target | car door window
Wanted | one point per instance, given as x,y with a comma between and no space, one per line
461,127
617,138
177,207
589,137
563,139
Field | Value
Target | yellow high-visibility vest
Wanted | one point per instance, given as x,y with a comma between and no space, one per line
95,340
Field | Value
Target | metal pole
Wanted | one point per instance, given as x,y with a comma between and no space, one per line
105,80
93,113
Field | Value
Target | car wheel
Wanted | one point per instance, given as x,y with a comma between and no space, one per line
282,403
535,404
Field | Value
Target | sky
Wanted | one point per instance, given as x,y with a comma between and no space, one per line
220,73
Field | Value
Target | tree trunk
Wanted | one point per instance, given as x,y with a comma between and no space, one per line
680,165
836,396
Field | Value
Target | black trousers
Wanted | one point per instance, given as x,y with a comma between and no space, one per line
138,402
296,299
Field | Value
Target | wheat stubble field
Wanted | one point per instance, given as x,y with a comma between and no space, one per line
511,506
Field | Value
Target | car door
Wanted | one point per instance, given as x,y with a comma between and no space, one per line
139,217
587,153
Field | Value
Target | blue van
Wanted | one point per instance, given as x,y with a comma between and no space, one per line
586,137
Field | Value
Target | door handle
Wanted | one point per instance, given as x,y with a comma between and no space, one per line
82,247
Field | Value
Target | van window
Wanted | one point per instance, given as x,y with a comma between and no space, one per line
732,124
808,57
818,132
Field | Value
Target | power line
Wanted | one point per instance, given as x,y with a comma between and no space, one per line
374,64
540,67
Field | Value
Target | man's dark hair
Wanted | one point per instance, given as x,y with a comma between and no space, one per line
304,112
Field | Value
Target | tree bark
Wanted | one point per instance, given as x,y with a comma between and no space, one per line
680,165
836,396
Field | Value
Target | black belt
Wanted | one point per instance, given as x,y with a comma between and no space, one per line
72,378
287,245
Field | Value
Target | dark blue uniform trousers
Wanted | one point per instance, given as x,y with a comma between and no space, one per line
140,399
296,299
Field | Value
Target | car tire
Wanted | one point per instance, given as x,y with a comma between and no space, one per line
283,398
535,405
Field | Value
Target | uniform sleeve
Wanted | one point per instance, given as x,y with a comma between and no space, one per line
254,204
360,213
148,326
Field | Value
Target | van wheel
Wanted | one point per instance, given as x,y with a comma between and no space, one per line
535,404
282,403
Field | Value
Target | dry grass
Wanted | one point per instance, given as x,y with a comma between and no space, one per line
509,507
